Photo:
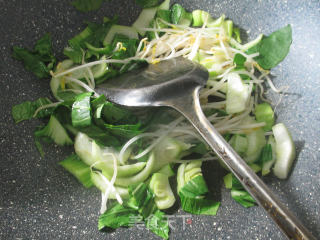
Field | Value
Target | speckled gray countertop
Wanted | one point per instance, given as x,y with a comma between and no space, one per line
39,200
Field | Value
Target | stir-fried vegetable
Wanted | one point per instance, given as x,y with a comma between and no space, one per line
129,155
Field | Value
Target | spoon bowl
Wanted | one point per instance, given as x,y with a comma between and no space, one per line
155,85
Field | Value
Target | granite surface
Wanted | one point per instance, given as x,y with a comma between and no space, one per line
39,200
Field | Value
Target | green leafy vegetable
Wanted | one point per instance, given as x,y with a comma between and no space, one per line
81,110
239,143
160,186
202,206
264,113
194,192
158,224
77,168
90,38
114,114
87,5
117,216
237,191
199,148
236,33
55,131
38,61
26,110
129,46
227,179
180,16
140,207
102,137
274,48
243,197
125,130
239,60
266,154
194,188
142,199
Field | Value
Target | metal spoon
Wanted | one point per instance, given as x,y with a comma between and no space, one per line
176,83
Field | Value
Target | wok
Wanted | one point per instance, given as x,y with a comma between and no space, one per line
39,199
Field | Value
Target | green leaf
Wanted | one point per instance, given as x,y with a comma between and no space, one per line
133,64
32,62
177,12
124,131
264,113
107,50
101,137
90,38
158,224
43,46
194,188
114,114
238,193
87,5
26,110
165,15
266,154
179,15
239,60
148,3
81,110
274,48
203,206
236,33
55,131
227,179
236,184
129,47
243,197
140,207
142,199
193,199
74,53
118,216
38,61
79,169
199,148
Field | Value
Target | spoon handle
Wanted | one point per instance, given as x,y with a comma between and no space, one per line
287,222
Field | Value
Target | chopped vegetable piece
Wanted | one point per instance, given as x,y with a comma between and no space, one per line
158,224
164,197
264,113
266,166
130,32
40,60
285,150
243,197
237,94
274,48
117,216
27,110
180,16
80,170
55,131
81,110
